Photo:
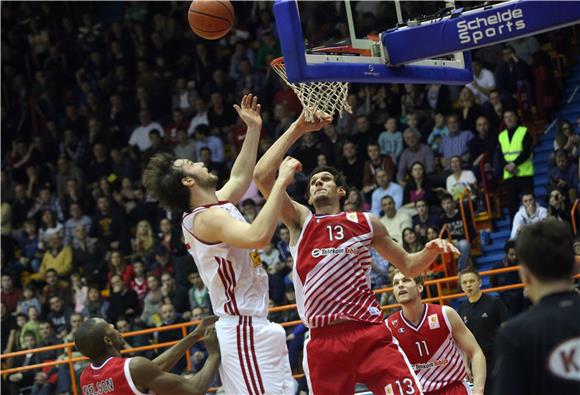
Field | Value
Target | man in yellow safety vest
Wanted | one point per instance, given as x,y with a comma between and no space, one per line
515,144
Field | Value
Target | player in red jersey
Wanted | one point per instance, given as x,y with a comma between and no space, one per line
110,373
435,338
349,340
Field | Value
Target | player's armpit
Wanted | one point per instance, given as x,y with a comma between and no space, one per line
147,376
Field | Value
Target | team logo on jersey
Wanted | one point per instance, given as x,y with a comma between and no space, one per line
255,257
352,217
395,323
433,321
401,330
318,252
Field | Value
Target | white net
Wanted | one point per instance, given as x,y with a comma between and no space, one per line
328,97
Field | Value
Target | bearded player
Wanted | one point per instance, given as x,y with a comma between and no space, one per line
435,338
223,246
349,340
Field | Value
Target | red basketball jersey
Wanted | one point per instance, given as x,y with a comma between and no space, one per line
112,377
331,270
430,347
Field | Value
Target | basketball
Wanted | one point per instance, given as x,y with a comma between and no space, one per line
211,19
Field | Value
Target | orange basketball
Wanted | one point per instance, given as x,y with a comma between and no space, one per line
211,19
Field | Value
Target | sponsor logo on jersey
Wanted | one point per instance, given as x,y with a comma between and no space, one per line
401,330
318,252
433,321
484,315
352,217
432,364
564,360
395,323
374,310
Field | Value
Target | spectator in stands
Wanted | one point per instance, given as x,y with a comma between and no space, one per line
152,302
21,204
204,139
411,241
123,301
395,221
28,299
515,159
109,226
198,293
53,287
483,314
439,131
564,175
483,82
468,110
59,316
424,219
419,186
482,145
140,136
96,306
459,234
77,218
415,152
46,201
79,292
10,294
185,147
23,380
456,144
8,327
334,141
566,139
307,151
175,293
460,180
391,140
143,245
513,299
57,256
557,205
512,75
525,48
385,187
351,165
170,317
373,164
139,280
530,212
283,243
156,145
88,254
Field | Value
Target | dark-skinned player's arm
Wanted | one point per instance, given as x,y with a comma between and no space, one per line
410,265
167,360
148,376
216,226
292,214
241,174
468,344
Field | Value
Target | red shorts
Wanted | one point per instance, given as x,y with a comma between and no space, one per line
339,356
455,388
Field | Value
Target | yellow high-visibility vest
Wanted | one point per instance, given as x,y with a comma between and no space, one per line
512,149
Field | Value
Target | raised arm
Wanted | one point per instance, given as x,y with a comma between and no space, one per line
215,225
467,343
241,174
409,264
167,360
148,376
292,214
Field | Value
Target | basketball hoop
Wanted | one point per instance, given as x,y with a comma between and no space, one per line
328,97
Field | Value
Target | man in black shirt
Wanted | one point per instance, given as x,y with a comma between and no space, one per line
482,314
537,352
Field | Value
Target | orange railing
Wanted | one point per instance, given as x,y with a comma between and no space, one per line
573,215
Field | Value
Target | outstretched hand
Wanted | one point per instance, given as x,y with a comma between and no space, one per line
249,111
321,119
199,330
441,246
288,169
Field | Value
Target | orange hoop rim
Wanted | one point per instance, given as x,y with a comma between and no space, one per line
277,62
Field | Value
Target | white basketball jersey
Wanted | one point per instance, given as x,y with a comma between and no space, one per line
235,278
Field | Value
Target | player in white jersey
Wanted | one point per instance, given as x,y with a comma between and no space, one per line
435,339
223,245
349,342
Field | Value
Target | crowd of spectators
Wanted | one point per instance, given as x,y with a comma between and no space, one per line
91,91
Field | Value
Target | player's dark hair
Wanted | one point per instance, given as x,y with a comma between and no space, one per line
546,249
164,180
339,179
89,338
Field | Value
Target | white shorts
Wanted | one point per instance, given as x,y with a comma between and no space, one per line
254,356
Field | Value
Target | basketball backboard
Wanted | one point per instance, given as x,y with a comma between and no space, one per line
340,41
